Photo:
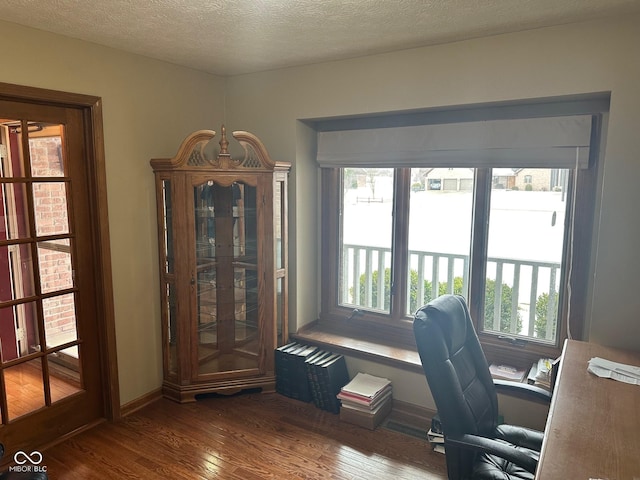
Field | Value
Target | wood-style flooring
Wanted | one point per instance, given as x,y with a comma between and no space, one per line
25,389
248,436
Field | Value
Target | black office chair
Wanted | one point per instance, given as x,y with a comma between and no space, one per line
465,395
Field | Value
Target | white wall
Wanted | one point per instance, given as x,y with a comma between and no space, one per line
149,107
573,59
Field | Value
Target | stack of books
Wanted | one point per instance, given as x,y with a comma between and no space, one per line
507,372
435,435
540,373
366,400
326,374
291,374
308,374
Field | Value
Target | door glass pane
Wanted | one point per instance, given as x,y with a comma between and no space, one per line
365,260
45,150
64,373
440,211
19,331
25,388
50,205
14,214
16,272
54,261
11,153
59,319
526,239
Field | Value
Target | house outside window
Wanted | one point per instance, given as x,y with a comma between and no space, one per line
392,247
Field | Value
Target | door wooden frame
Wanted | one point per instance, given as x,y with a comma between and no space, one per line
91,107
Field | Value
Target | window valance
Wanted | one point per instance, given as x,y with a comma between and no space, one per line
545,142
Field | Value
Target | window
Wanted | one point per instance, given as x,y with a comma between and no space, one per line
494,224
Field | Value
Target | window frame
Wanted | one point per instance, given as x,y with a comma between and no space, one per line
395,329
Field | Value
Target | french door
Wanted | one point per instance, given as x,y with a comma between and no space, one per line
51,380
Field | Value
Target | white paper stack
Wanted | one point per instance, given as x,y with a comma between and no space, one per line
365,392
436,440
365,400
543,373
614,370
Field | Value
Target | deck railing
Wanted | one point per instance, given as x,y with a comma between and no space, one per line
362,285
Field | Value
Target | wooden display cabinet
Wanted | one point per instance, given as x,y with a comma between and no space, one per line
222,233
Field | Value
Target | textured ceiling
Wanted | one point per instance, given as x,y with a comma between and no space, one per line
229,37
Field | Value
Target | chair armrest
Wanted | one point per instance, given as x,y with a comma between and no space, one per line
520,436
522,390
493,447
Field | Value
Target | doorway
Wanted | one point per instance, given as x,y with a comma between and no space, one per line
58,371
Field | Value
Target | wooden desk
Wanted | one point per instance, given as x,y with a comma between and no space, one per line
593,428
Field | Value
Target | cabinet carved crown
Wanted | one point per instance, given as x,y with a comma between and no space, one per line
196,151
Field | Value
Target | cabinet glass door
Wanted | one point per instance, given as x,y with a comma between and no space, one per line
226,280
168,281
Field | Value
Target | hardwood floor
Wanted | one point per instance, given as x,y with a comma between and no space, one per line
25,390
244,437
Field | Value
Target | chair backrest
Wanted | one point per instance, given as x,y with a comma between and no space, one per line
455,367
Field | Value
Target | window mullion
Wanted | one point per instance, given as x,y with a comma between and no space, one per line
479,242
400,242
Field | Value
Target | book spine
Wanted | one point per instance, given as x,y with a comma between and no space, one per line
312,377
325,383
318,378
313,384
283,372
323,380
302,389
337,377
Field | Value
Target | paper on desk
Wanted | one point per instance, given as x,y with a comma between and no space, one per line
614,370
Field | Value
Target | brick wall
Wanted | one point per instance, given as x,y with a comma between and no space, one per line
54,257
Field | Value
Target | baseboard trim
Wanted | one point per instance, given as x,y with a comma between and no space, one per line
412,415
140,402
